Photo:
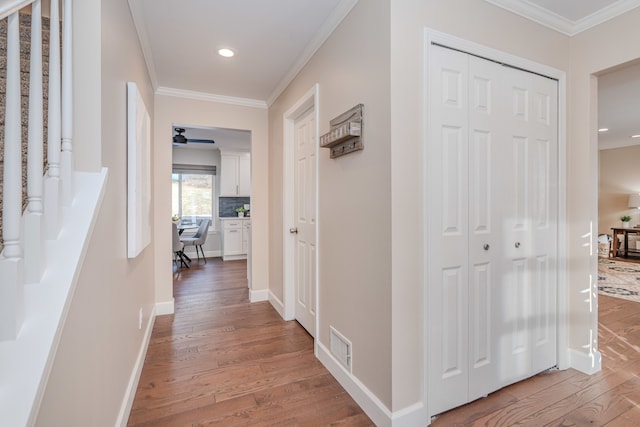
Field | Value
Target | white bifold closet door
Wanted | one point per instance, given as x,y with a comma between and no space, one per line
492,178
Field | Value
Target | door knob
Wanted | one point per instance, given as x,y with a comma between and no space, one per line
293,230
486,246
517,244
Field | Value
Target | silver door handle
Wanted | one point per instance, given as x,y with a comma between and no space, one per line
486,246
517,244
293,230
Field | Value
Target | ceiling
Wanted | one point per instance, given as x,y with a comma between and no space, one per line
274,39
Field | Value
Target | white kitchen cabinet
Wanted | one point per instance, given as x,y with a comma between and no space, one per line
235,174
235,235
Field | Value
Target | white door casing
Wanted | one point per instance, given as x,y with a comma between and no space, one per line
492,234
287,307
305,220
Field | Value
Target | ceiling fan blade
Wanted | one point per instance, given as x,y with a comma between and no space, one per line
203,141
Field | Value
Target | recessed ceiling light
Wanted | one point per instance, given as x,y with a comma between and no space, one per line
227,53
635,136
603,129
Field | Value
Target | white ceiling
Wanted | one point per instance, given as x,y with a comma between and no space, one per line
274,39
619,107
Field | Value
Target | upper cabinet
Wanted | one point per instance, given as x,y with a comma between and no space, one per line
235,174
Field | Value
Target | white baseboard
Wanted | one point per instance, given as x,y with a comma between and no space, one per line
277,304
412,416
369,402
259,295
166,307
585,362
127,403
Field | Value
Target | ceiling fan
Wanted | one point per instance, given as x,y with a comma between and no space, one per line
179,139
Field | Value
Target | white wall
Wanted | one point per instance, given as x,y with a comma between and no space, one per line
354,200
101,340
619,177
170,110
592,52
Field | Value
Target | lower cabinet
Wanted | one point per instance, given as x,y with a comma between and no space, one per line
235,234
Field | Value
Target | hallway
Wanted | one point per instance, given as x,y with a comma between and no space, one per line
220,360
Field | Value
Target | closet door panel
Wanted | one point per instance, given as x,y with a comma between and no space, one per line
447,230
485,214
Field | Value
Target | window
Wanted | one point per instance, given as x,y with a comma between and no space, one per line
192,192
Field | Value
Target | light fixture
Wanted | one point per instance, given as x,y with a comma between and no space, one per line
227,53
635,136
634,201
603,129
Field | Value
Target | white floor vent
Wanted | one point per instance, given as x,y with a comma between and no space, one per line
340,348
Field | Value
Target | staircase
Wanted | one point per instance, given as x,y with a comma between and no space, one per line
47,208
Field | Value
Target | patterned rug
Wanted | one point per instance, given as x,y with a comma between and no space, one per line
619,279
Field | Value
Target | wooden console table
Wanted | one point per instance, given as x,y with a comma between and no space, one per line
625,232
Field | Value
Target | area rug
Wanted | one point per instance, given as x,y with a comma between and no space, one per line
619,279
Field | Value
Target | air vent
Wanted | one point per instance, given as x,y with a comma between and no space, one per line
340,348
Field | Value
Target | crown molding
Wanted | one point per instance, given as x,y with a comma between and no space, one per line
563,25
605,14
337,15
209,97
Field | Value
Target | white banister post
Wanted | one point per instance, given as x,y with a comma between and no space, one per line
52,181
67,104
33,219
11,271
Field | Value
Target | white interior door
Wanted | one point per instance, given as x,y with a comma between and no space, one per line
305,220
491,233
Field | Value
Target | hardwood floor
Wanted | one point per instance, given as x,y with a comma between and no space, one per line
220,360
569,398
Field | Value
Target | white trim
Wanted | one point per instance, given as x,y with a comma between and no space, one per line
307,101
165,307
277,304
588,363
337,15
28,360
549,19
412,415
369,402
209,97
11,7
259,295
130,393
562,358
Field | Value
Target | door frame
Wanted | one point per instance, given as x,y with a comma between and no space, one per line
430,37
308,101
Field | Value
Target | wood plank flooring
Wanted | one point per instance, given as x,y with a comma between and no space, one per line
220,360
569,398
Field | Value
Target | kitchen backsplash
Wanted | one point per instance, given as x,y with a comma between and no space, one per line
227,205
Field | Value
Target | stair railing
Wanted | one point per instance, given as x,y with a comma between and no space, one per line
23,236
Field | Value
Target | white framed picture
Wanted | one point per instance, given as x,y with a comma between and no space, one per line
138,172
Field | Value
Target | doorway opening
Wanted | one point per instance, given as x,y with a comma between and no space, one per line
211,183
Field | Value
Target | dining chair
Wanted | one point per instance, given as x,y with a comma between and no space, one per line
178,247
198,239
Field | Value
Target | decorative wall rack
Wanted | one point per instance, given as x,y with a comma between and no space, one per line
345,135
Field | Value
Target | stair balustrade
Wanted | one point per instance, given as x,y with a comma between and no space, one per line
24,180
